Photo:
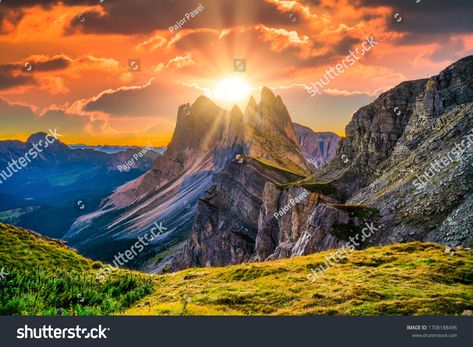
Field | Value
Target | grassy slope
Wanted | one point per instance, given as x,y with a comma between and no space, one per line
401,279
415,278
23,249
44,276
273,166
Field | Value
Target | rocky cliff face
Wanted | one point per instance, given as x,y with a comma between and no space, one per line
419,180
226,223
317,148
376,180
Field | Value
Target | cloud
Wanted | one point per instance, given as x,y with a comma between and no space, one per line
21,119
37,63
345,45
8,81
428,17
150,15
36,71
155,98
176,63
50,64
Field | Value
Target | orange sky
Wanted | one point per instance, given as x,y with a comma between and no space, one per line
69,64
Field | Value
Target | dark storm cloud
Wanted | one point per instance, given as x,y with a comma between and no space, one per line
345,44
145,16
58,63
13,17
53,64
8,81
15,74
427,16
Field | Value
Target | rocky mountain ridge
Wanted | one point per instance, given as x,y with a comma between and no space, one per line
371,181
206,139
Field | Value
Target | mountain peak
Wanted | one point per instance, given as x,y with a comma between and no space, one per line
267,95
251,106
41,136
251,102
36,137
202,100
235,110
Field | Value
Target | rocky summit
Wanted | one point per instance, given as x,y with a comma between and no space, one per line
206,141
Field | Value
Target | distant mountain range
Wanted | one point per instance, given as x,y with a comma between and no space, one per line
59,183
317,148
115,149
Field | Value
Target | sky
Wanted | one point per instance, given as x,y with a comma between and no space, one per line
115,71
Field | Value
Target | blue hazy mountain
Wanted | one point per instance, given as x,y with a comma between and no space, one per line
60,183
115,149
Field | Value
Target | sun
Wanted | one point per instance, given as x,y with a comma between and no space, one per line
231,89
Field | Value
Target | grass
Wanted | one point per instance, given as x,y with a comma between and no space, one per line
275,167
401,279
312,185
24,249
45,277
